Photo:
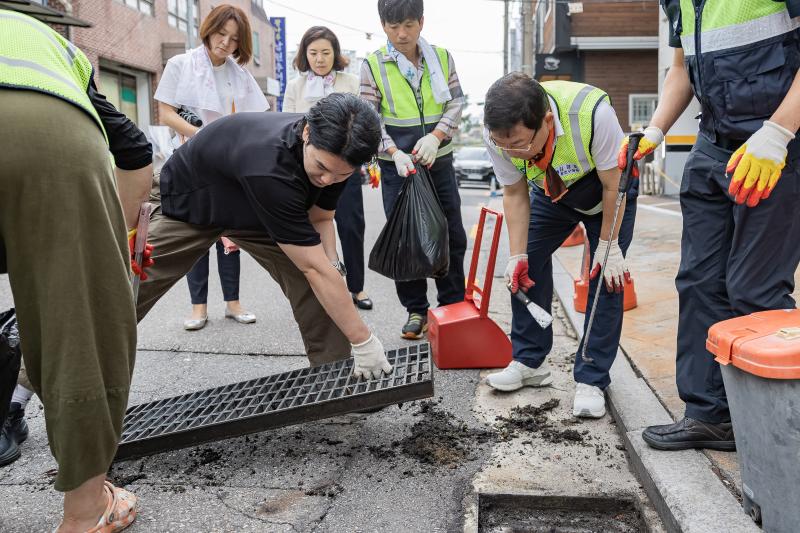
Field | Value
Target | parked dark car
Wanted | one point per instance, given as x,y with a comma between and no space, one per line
472,165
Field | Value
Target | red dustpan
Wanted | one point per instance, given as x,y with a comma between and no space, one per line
462,335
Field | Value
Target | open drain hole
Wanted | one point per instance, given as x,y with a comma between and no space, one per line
504,513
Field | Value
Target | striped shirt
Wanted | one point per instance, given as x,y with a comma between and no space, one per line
451,115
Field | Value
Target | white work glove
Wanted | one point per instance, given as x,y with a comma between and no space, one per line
616,273
516,274
426,149
403,163
369,359
756,166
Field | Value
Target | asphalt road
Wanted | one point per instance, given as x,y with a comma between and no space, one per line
343,474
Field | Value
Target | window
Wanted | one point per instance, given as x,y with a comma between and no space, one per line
256,49
144,6
640,109
120,90
178,15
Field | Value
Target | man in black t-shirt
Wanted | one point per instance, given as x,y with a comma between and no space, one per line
270,183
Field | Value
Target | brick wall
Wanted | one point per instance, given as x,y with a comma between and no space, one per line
621,73
614,19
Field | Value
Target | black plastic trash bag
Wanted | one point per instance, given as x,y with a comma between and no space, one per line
414,244
10,359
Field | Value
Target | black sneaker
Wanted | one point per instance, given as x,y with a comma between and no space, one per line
415,327
690,433
14,432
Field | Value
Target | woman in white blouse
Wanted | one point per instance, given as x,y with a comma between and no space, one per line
210,81
320,63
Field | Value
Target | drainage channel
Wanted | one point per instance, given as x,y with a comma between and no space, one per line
503,513
271,402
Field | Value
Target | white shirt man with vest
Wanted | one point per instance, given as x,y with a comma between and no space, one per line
554,149
740,188
415,88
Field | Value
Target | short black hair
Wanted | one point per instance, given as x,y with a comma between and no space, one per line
345,125
396,11
515,98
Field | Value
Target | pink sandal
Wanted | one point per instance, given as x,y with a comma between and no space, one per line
120,511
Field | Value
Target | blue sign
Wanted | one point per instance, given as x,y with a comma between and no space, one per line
279,23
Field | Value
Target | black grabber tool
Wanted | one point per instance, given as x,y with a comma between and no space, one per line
138,245
624,184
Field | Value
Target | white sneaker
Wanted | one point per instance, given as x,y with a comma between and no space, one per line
516,375
590,402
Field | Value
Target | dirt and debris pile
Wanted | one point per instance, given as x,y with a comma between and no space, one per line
441,439
533,419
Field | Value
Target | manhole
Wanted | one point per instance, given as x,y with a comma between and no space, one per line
270,402
500,513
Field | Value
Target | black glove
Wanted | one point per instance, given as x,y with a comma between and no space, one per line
190,117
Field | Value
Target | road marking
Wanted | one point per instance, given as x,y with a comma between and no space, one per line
660,210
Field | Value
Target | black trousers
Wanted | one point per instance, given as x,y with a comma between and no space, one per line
228,267
550,224
414,294
350,225
735,260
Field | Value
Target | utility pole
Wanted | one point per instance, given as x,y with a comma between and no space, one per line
527,37
505,37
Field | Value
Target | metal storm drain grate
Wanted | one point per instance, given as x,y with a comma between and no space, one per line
270,402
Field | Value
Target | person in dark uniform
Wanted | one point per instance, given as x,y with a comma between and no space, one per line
740,189
270,183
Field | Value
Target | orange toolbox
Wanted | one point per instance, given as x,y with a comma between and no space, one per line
760,359
462,335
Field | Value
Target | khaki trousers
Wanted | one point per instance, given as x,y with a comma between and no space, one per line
62,241
178,245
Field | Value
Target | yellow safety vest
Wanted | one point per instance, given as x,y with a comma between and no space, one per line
407,121
34,56
572,157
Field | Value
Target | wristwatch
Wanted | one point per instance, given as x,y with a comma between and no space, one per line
338,265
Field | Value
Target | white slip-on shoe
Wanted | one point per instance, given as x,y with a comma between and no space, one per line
241,318
516,375
193,324
590,402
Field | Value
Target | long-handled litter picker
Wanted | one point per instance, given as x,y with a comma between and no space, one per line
624,184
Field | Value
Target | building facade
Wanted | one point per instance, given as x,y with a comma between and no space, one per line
611,45
130,41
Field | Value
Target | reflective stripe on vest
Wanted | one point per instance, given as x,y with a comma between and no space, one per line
399,107
724,27
34,56
572,158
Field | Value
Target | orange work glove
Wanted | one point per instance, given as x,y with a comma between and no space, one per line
374,175
653,136
147,260
757,164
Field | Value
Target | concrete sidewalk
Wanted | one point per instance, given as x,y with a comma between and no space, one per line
650,330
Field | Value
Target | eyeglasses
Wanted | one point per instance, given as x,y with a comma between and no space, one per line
514,149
